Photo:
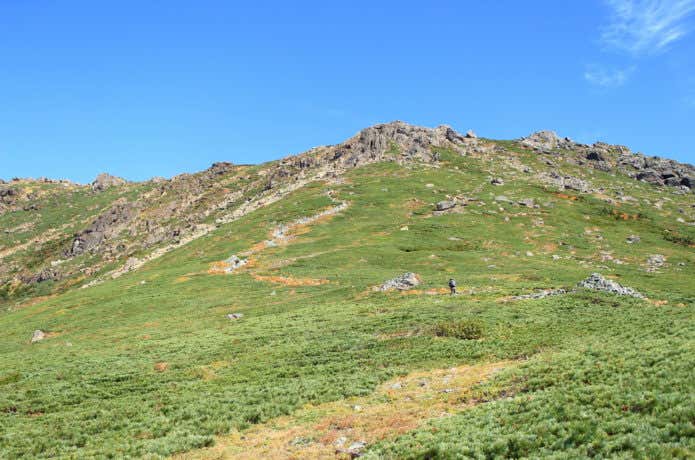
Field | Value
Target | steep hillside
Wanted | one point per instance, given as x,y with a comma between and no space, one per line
240,312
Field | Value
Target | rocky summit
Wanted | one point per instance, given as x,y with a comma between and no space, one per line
300,308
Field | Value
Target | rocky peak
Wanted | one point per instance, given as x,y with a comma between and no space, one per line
546,140
106,180
413,142
395,141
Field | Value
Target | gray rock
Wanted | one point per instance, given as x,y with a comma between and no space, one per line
405,281
546,141
234,262
106,226
356,448
497,181
470,134
632,239
655,262
596,282
528,202
650,176
565,182
37,336
234,316
444,205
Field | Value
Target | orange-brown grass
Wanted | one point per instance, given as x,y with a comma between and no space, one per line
396,407
566,197
289,281
218,268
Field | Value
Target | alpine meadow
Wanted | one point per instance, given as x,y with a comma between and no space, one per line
299,308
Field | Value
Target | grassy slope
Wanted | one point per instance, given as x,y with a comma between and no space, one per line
91,389
62,212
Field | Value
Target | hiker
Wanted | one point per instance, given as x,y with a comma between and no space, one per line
452,286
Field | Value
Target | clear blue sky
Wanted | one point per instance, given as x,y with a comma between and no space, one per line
146,88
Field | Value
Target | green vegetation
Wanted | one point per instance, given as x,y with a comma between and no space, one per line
148,365
466,330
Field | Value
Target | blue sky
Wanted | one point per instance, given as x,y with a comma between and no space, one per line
141,89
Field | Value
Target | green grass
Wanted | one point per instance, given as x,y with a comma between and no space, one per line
91,390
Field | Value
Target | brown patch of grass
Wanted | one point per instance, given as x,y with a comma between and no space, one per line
550,247
34,301
657,303
218,268
161,366
567,197
289,281
396,407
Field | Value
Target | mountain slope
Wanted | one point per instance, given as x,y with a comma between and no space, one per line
149,364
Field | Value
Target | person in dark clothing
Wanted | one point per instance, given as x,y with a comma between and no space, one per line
452,286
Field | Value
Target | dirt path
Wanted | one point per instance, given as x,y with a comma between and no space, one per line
341,428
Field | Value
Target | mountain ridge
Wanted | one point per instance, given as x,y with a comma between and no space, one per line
152,217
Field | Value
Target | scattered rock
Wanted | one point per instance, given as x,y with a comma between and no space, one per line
565,182
233,263
632,239
356,448
596,282
234,316
497,181
444,205
470,134
540,294
38,336
655,262
528,202
405,281
132,263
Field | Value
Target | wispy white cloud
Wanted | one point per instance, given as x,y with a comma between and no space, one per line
607,78
646,26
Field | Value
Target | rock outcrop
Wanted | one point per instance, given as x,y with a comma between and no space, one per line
106,180
403,282
107,225
596,282
614,158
